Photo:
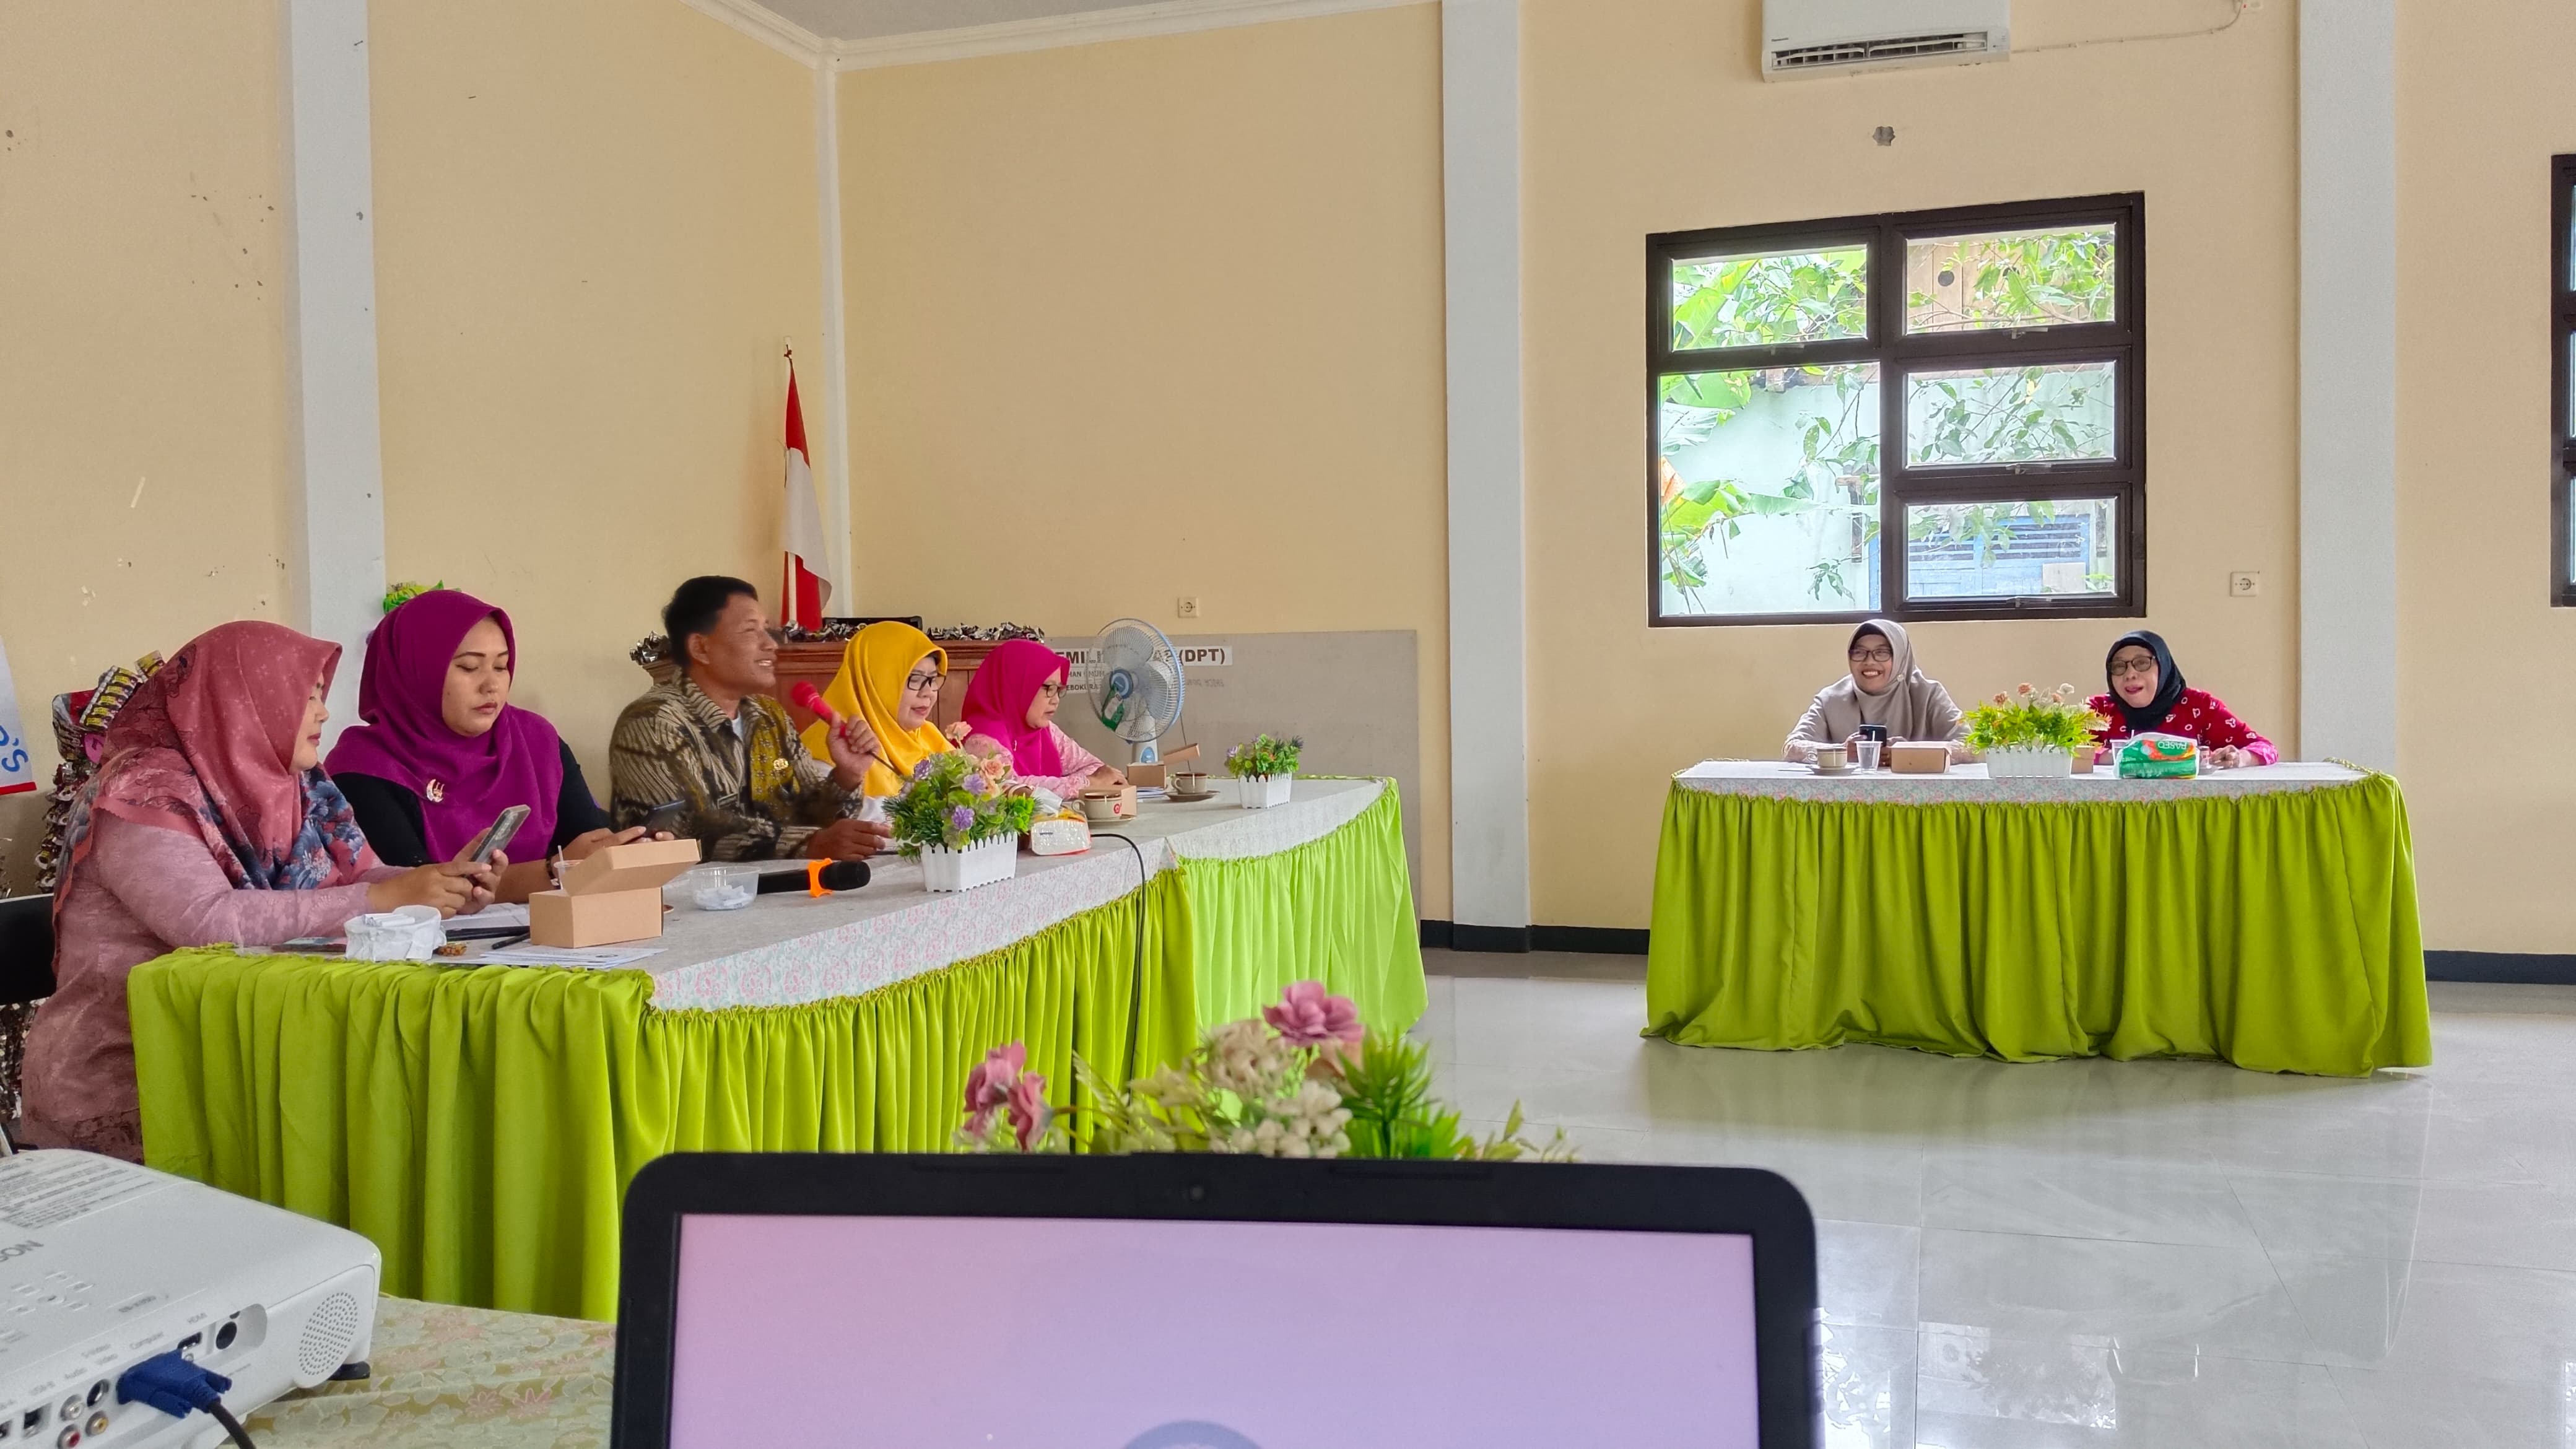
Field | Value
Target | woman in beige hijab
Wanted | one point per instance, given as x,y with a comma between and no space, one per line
1883,688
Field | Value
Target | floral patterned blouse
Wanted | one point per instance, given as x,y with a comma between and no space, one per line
2200,715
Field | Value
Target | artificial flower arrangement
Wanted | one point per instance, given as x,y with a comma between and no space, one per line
1265,756
1305,1079
955,800
2026,718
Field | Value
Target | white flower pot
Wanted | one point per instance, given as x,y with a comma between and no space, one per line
1260,792
2029,762
979,864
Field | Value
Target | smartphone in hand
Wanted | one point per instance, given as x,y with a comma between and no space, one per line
497,835
663,819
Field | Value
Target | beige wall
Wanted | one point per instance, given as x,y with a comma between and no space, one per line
1157,318
1648,116
1191,288
142,344
2485,685
596,222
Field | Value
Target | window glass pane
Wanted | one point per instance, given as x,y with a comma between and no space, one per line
1766,300
2012,550
2050,278
1769,492
2056,413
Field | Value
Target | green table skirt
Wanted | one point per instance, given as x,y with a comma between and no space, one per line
2273,930
481,1125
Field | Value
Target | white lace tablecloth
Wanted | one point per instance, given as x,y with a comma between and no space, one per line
787,949
1970,784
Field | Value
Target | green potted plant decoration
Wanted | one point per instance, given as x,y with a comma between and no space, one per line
2027,734
963,818
1264,770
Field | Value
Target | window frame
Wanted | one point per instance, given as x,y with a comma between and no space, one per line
2562,336
2123,341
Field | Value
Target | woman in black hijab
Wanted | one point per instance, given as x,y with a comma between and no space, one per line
2148,696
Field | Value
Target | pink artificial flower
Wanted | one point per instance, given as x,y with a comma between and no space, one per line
1307,1015
989,1085
1030,1114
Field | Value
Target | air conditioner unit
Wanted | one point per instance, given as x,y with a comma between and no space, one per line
1838,37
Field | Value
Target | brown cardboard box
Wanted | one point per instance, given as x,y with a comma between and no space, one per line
613,896
1157,777
1919,757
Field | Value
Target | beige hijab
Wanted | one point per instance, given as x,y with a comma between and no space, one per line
1912,708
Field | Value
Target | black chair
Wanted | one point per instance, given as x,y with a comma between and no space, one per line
26,977
26,949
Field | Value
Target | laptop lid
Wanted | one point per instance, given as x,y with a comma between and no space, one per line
1210,1302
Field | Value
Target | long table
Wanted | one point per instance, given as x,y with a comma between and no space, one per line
480,1124
2265,917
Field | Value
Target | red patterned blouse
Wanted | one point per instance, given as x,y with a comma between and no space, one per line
2198,714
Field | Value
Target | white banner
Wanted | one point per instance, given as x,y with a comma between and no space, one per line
17,756
1086,660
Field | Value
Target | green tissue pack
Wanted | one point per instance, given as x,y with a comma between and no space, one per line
2159,757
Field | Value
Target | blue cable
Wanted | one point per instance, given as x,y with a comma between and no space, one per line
170,1383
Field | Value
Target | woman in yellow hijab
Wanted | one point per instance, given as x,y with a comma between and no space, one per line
889,677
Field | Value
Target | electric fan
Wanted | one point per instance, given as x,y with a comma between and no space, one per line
1136,685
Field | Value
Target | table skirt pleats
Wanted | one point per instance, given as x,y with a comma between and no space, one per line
480,1124
2273,930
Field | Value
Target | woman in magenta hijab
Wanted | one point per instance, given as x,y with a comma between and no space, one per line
443,752
1010,709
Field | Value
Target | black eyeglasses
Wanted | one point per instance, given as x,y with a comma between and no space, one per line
919,682
1873,656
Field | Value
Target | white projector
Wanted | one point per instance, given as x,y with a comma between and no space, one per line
104,1265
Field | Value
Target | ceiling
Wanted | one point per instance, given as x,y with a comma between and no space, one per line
877,19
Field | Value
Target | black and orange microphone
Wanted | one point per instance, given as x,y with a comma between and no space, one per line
818,878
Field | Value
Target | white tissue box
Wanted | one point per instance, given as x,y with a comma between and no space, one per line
407,933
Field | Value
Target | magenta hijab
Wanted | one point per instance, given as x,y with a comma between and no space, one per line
462,783
997,704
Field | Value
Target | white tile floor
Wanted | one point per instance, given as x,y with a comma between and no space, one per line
2114,1253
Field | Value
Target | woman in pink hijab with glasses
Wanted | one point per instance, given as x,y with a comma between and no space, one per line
1010,710
209,820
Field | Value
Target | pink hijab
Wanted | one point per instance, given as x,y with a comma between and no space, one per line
206,748
519,761
997,704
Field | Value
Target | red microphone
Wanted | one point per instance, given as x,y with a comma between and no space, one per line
811,700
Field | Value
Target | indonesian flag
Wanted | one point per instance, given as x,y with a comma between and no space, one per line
805,589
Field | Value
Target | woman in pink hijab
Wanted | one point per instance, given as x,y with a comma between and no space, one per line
1010,709
209,820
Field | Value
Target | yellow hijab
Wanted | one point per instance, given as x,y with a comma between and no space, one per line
870,685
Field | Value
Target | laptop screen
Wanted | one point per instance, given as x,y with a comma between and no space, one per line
1110,1333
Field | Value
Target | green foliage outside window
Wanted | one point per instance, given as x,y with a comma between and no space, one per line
2023,414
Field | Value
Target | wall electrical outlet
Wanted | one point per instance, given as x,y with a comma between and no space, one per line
2244,586
1189,606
